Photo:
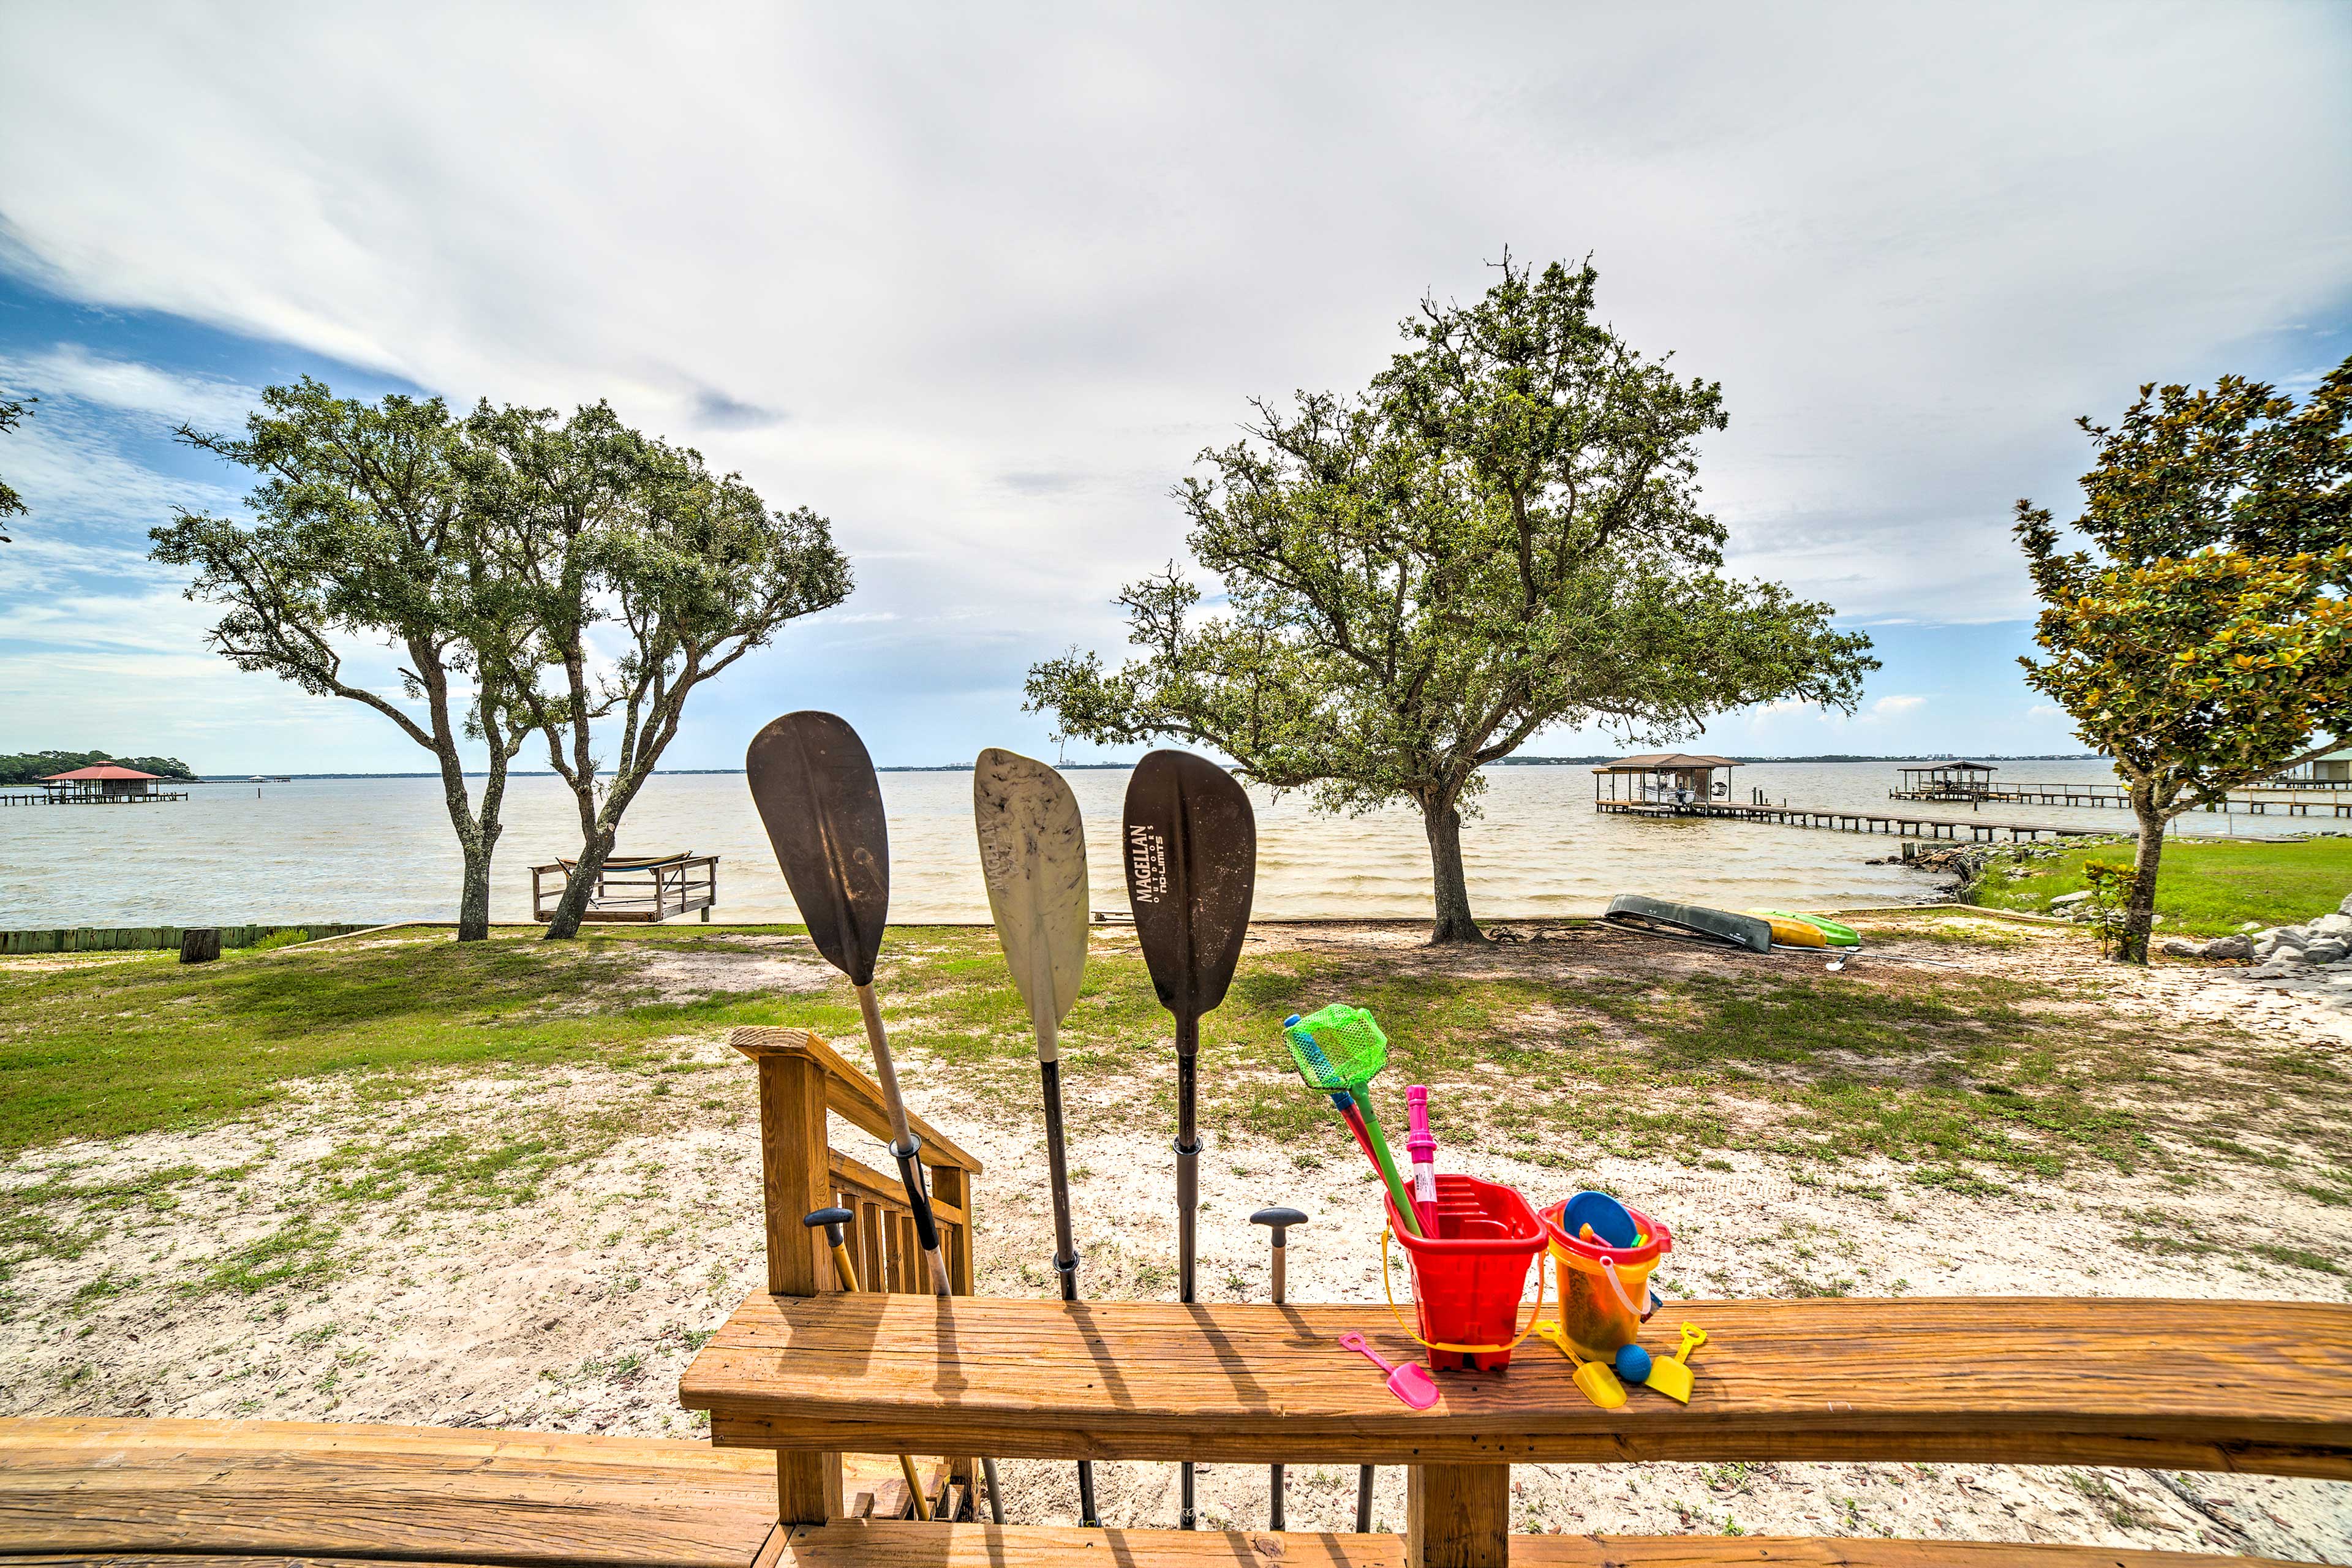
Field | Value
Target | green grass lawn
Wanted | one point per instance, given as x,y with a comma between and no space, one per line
1553,1058
2205,888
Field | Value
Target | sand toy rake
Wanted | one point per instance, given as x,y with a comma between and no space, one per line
1338,1049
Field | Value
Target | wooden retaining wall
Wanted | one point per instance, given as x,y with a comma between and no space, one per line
129,939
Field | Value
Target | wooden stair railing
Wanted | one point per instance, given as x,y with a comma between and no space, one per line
801,1078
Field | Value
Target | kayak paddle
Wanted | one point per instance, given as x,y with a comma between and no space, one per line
1189,840
822,805
1033,855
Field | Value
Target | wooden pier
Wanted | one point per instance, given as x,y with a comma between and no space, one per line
2320,799
1843,821
91,799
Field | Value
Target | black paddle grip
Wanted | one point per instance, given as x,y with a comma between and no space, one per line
919,1196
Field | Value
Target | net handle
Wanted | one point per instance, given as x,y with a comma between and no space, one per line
1542,1279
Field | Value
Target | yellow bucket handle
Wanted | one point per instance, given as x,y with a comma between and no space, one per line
1389,1291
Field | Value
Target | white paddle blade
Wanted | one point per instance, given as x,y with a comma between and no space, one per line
1033,854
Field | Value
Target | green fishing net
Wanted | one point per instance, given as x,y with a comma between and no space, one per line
1337,1048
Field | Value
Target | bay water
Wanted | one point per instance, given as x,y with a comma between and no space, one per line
369,849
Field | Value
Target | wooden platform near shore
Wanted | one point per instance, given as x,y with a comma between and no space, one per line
1841,820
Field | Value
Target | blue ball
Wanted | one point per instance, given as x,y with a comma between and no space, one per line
1633,1363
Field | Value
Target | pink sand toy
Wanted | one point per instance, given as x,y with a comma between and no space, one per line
1409,1382
1422,1146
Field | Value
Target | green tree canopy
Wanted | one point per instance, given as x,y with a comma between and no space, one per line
1503,532
614,542
30,767
2203,638
12,411
360,531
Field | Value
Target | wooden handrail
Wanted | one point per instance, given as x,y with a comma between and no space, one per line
802,1079
850,1092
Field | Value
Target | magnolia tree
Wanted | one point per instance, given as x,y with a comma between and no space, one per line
1503,532
2203,640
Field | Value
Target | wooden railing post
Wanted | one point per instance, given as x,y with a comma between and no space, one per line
795,1178
1457,1516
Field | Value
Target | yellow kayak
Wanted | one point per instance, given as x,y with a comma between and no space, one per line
1788,932
1806,931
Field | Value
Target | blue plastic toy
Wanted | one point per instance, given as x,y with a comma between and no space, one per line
1612,1225
1633,1364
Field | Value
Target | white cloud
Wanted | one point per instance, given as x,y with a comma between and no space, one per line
70,370
73,476
1913,250
978,286
1886,707
2045,711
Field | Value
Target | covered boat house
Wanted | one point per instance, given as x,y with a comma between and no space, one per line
1665,778
106,785
2332,771
1946,781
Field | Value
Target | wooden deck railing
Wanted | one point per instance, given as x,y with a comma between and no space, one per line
801,1079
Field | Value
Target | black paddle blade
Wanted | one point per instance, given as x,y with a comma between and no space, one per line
1190,842
817,795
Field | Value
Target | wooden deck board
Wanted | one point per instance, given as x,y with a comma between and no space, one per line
908,1546
300,1489
2019,1381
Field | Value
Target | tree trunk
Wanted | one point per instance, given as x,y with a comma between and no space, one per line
1454,924
474,893
2139,910
580,885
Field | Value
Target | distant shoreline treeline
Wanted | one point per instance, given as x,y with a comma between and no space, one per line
32,767
1096,767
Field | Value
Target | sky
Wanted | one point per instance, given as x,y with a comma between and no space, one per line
978,284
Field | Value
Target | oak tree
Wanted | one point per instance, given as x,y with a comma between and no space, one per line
639,575
360,531
12,414
1502,533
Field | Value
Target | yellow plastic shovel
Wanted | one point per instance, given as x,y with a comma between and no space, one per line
1597,1382
1671,1375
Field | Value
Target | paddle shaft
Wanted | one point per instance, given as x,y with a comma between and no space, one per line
1188,1188
905,1150
1281,1250
1188,1149
904,1147
1066,1248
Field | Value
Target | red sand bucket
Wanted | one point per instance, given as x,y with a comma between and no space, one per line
1466,1279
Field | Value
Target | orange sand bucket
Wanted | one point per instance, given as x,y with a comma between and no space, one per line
1604,1290
1466,1279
